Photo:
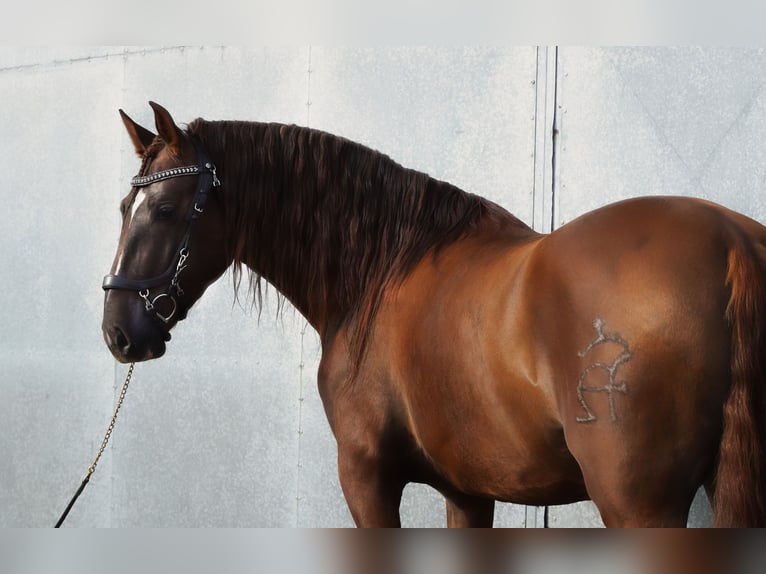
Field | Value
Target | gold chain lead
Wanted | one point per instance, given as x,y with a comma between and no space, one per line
110,428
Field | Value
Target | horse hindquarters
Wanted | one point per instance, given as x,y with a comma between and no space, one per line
641,392
739,493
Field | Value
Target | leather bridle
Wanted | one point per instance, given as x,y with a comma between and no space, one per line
207,180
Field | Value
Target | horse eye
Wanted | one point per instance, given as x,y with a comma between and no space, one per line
164,212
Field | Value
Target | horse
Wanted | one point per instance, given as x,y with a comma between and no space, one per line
619,358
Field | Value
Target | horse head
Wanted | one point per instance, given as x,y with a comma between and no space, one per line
171,247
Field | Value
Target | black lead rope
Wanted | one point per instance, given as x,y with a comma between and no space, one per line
105,440
71,502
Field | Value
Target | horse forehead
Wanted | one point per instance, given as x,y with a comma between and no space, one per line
159,160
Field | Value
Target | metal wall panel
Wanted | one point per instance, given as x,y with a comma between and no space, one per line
228,428
661,121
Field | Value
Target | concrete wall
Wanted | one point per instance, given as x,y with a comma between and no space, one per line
228,429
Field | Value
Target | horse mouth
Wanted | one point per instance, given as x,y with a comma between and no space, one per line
156,347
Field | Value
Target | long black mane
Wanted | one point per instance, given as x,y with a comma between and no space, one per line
308,210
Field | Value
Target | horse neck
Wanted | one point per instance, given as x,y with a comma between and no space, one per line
328,222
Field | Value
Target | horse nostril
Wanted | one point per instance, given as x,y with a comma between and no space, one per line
119,340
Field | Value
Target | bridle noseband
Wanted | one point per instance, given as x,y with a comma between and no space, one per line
208,180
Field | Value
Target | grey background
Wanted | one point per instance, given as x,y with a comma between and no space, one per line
228,429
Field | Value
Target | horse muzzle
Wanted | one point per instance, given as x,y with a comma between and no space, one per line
131,334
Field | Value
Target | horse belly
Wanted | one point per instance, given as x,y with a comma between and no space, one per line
487,445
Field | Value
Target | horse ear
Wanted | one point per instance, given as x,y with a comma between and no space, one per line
139,135
167,128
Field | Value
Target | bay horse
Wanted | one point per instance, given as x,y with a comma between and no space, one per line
619,359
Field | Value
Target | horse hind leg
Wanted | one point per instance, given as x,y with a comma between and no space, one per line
622,513
637,483
653,490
